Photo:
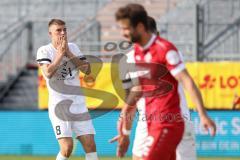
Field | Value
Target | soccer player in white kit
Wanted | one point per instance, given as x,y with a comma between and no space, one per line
50,57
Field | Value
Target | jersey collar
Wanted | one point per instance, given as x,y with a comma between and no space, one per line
52,46
150,42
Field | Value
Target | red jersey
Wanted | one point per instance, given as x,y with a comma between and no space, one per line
153,68
162,61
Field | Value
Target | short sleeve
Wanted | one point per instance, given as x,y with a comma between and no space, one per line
43,56
174,61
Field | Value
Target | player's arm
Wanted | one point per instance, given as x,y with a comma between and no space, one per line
81,62
126,120
174,63
49,69
47,66
132,92
186,80
127,115
129,109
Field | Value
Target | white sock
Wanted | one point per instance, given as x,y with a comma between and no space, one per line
91,156
61,157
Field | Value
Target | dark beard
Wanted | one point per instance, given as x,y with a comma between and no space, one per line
135,39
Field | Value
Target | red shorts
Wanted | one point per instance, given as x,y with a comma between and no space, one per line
162,141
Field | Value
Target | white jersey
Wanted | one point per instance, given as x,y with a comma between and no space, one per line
46,55
68,78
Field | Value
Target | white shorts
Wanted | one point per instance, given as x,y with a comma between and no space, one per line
186,150
63,128
141,134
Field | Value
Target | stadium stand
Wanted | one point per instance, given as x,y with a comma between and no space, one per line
23,94
14,54
109,32
206,31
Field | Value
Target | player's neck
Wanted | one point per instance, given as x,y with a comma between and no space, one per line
145,38
54,44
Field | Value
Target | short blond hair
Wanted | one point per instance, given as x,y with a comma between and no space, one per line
55,22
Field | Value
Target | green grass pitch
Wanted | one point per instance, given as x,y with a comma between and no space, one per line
82,158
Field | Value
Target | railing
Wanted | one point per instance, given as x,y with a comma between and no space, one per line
15,49
12,11
219,37
87,36
66,9
206,30
184,42
218,14
178,26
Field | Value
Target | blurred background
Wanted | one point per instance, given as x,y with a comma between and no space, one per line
207,32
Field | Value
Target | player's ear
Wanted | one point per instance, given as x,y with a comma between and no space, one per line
49,33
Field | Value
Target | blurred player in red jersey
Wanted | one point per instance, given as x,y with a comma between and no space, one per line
186,149
154,87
